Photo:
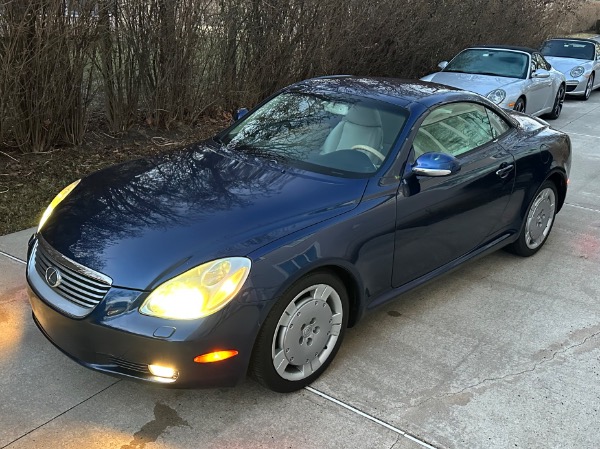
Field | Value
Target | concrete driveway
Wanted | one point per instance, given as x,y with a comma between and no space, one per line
501,353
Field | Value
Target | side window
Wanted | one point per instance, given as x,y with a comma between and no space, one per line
497,124
454,129
542,62
534,64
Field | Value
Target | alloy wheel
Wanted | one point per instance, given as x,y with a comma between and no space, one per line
307,332
560,99
519,105
588,87
540,217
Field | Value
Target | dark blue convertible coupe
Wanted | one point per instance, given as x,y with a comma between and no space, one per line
255,250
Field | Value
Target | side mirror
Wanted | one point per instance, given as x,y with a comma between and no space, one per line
541,74
435,164
442,65
239,114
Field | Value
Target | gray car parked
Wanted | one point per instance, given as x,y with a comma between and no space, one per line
516,78
579,60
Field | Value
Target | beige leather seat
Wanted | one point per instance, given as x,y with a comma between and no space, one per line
360,126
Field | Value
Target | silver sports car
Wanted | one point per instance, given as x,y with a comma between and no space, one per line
516,78
578,60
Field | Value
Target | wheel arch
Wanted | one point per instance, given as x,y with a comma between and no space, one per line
352,288
560,182
524,98
346,274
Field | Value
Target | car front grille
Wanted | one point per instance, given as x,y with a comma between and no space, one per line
77,284
571,88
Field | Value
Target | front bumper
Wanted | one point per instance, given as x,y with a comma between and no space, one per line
125,344
577,86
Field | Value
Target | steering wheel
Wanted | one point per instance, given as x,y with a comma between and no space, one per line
370,150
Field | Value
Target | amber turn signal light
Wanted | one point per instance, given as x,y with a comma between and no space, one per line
216,356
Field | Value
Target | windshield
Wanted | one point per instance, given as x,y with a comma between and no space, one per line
563,48
343,135
505,63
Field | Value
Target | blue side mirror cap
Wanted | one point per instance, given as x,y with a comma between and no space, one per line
239,114
435,164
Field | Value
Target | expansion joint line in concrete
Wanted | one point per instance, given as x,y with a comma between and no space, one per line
576,206
16,259
60,414
370,418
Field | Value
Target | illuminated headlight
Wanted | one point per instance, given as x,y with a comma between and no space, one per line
55,202
577,71
199,292
497,96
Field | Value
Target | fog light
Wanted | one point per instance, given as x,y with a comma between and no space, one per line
164,373
216,356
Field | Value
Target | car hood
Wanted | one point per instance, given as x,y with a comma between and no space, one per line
481,84
145,221
565,65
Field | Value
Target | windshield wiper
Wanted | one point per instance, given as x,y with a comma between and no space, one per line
496,74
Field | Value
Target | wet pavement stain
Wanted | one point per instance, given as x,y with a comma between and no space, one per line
164,417
394,313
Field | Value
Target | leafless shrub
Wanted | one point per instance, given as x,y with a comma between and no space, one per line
164,62
45,71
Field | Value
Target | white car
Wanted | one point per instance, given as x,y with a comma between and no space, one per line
579,60
516,78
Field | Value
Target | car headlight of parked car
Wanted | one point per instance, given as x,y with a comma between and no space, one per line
497,96
56,201
199,292
577,71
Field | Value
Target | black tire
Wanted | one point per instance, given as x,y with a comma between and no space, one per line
520,105
273,334
525,246
588,88
558,103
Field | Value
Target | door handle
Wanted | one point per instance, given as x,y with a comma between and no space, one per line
504,171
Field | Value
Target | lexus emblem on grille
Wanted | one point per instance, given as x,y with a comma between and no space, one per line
53,277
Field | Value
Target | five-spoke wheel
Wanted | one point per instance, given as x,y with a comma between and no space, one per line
558,103
519,105
588,88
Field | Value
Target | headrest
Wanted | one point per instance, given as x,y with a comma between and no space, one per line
360,115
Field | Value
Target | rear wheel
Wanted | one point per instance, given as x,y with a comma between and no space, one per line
588,88
301,334
558,103
538,222
520,105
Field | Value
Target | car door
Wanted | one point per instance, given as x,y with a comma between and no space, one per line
442,218
541,94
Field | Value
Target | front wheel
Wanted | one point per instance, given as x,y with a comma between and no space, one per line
301,334
520,105
538,222
588,88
